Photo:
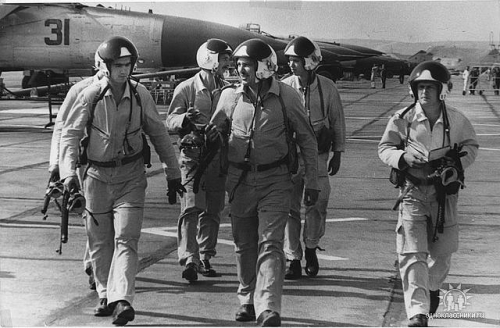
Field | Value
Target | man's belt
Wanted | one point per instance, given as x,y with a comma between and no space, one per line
419,181
259,167
117,162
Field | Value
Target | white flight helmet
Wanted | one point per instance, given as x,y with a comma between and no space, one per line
430,71
305,48
262,53
207,56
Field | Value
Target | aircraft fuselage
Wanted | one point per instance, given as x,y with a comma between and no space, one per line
64,37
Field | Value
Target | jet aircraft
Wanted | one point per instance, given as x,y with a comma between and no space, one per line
348,58
61,39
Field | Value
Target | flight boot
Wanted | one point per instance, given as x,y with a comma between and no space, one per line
312,264
434,301
419,320
294,271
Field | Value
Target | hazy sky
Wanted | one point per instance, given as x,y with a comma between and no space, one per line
407,21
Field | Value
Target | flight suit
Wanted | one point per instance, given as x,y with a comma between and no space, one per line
62,115
330,116
423,262
115,181
260,196
199,220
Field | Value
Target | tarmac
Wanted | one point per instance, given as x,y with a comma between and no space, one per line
357,286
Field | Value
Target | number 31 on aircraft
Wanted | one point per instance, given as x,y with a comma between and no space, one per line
60,29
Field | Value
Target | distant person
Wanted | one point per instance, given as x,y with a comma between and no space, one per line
474,79
156,84
257,118
402,72
383,75
326,115
190,111
62,115
374,75
495,77
466,77
484,80
430,144
115,182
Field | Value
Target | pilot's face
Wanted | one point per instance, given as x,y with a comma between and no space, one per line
120,70
296,65
247,68
428,93
224,63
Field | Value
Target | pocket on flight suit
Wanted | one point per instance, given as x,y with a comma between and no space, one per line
447,241
411,233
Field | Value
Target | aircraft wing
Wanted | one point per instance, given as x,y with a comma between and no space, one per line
343,53
192,70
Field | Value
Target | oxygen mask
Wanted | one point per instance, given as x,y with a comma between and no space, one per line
76,203
194,139
55,189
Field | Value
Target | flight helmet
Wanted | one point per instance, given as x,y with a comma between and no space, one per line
207,56
305,48
430,71
262,53
112,49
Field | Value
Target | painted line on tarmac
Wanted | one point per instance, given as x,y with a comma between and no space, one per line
365,140
228,225
165,232
492,149
172,232
31,225
40,110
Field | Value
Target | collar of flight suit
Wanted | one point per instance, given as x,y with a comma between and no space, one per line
109,93
273,88
420,115
312,86
198,83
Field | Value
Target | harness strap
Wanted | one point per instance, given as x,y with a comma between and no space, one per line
419,181
117,162
259,167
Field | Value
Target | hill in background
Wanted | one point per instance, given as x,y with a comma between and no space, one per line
469,51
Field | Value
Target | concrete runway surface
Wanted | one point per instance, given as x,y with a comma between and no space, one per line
357,286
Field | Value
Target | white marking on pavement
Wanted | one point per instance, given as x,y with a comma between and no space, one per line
492,149
172,232
41,110
48,226
361,139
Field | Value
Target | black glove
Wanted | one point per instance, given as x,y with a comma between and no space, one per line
310,196
211,133
174,186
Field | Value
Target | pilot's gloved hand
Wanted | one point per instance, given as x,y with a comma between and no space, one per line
54,168
212,133
334,163
174,187
191,113
54,173
71,183
310,196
